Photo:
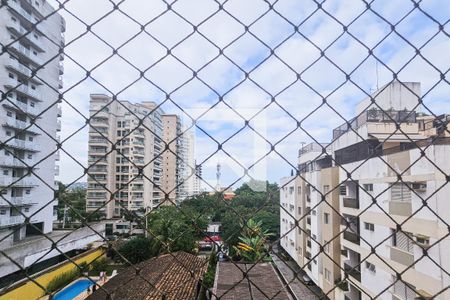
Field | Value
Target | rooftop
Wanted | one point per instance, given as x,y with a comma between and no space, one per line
262,282
173,276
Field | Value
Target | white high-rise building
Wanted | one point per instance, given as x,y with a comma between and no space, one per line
188,156
30,76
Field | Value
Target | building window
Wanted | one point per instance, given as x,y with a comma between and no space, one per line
326,218
313,212
299,190
9,114
28,192
326,189
369,226
368,187
30,156
2,211
30,138
5,172
6,153
31,103
8,133
402,240
370,267
27,209
299,210
11,75
4,192
327,274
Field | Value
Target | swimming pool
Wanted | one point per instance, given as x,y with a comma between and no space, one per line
73,290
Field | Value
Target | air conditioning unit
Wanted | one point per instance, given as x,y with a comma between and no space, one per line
343,190
419,186
422,240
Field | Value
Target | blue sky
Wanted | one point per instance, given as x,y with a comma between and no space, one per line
273,78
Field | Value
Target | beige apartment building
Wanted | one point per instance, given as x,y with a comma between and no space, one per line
310,200
178,161
125,165
129,165
378,148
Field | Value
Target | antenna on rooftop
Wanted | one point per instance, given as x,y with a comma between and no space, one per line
376,67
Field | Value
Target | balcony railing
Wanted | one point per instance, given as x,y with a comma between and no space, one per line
401,256
11,220
17,66
24,107
351,237
376,116
26,53
351,202
400,208
16,201
20,11
353,271
30,36
24,145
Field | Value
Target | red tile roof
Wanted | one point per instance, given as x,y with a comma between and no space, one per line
174,276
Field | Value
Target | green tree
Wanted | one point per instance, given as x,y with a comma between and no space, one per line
172,231
136,250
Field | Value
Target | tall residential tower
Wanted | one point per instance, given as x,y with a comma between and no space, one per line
30,76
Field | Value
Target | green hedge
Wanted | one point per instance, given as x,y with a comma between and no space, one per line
62,280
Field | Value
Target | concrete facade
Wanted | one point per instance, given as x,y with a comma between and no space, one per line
377,178
30,77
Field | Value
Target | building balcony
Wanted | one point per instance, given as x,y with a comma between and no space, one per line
18,67
353,271
351,203
11,220
102,150
16,201
16,124
98,160
400,208
401,256
23,145
7,181
59,111
98,171
22,13
20,106
11,161
26,54
14,86
30,36
351,237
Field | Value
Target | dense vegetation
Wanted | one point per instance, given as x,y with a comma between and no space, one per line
63,279
174,229
73,202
